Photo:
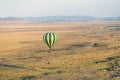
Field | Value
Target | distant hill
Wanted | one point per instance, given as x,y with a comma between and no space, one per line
11,18
61,18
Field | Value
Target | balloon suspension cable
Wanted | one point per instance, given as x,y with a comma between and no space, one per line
50,50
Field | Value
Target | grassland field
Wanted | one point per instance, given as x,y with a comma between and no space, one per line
84,51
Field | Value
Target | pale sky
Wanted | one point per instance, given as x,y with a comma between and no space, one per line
38,8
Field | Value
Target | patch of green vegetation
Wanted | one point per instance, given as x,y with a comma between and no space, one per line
53,67
51,73
101,61
114,58
31,77
113,63
48,73
11,66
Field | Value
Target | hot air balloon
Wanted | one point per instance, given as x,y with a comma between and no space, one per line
50,39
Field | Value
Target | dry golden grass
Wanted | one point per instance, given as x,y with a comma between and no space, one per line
24,55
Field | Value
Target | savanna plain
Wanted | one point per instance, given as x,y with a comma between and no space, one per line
84,51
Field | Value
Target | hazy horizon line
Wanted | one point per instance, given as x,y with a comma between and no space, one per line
58,16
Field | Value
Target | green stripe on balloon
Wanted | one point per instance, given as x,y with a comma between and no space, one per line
52,39
45,38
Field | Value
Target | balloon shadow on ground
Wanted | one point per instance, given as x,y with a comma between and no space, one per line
77,46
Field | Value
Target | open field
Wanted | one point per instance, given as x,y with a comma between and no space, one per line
84,51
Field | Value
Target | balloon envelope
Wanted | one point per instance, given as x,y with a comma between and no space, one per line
50,39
